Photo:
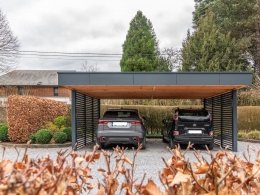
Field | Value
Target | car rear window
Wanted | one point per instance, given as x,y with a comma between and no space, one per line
193,113
120,114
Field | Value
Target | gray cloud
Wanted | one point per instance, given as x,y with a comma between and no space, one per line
90,27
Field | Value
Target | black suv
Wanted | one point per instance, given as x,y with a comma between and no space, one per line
189,125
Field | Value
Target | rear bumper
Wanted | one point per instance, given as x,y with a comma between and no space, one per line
193,140
120,140
110,137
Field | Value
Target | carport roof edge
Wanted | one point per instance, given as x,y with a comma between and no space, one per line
154,85
155,78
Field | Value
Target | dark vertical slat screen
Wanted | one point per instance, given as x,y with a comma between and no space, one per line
221,109
80,119
87,115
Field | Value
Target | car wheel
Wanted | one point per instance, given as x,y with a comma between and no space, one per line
101,146
172,144
143,144
163,139
210,146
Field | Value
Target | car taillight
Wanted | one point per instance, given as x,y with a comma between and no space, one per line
210,117
176,133
211,133
136,122
175,117
102,122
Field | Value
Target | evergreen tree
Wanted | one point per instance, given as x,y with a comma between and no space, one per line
141,48
240,18
207,49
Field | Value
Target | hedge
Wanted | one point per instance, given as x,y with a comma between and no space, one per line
27,114
248,116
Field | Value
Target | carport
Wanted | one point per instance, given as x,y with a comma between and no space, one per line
217,90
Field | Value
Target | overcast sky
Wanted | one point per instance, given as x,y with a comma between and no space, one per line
82,26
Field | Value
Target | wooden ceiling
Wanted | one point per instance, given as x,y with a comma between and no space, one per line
153,92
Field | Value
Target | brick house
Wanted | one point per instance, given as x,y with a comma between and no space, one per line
42,83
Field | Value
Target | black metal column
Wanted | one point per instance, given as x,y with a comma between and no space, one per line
234,120
73,117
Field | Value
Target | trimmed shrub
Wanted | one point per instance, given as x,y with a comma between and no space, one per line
254,135
3,124
60,137
43,136
32,138
241,135
51,126
68,131
60,121
4,133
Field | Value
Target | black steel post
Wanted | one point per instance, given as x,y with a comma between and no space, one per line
85,121
92,100
204,103
73,118
234,121
221,121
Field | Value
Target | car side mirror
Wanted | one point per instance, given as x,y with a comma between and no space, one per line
144,117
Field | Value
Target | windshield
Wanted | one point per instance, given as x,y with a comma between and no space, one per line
120,114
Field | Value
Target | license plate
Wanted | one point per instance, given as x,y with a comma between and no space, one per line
119,124
194,131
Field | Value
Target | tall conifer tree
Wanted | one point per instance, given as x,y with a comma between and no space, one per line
207,49
140,49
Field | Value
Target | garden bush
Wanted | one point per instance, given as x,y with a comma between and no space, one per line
33,111
254,135
32,138
51,126
68,131
43,136
241,135
3,124
60,137
4,133
60,121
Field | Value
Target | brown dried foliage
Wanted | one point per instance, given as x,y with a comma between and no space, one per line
224,174
26,115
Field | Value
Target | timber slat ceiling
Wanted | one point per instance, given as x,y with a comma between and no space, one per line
152,92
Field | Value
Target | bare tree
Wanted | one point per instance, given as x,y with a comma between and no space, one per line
89,67
173,57
9,46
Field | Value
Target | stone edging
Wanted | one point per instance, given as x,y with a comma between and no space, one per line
248,140
6,144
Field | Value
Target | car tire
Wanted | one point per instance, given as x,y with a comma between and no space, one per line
172,144
101,146
210,146
163,139
143,144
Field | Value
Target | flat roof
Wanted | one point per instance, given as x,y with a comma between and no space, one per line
154,85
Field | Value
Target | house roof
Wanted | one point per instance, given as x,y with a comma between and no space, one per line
31,77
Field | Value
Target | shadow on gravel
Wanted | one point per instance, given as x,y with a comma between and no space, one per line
151,145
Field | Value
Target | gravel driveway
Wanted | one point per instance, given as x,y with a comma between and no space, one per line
148,161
